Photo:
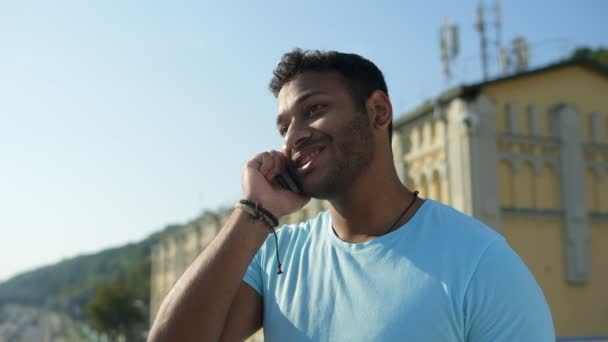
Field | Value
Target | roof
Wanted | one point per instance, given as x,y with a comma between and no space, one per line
470,91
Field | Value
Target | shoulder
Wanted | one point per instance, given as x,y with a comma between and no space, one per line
455,221
451,227
310,226
504,302
291,237
452,242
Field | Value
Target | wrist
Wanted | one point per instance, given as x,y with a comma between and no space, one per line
259,212
260,228
264,204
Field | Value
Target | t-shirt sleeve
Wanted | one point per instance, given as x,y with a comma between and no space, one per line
503,301
253,275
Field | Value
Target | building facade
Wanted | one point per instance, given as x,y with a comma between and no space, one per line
528,156
525,154
175,252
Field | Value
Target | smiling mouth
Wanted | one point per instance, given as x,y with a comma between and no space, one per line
307,163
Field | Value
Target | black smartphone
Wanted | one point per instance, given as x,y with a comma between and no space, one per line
288,181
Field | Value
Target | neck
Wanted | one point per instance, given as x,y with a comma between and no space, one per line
370,206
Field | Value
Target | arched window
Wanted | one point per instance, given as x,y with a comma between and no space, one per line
424,186
592,190
439,132
414,139
505,179
596,128
427,134
434,186
548,188
511,118
603,192
533,120
524,186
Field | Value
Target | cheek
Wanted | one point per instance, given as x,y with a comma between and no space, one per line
331,123
322,123
324,129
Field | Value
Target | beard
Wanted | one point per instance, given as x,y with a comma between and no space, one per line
353,151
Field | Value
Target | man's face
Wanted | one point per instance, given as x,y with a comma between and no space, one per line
328,139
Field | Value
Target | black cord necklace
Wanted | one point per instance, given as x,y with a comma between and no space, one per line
398,219
404,212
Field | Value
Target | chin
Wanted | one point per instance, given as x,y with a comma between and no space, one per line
320,189
320,195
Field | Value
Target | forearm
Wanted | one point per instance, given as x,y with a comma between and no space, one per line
196,307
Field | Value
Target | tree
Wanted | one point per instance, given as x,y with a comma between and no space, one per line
599,55
116,311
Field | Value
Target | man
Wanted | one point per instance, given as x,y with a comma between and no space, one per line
379,265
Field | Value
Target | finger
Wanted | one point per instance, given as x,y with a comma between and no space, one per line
267,164
278,164
255,162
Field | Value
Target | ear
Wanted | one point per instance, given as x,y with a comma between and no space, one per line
379,109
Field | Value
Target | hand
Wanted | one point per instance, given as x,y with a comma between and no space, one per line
258,185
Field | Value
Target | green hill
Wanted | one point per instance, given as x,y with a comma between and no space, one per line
69,285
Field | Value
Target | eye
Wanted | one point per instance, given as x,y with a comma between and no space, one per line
315,109
283,130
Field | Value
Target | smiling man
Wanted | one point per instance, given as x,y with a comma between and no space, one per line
380,265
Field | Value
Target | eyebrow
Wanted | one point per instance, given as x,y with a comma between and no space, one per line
302,98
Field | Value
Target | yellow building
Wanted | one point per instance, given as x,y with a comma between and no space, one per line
527,155
176,251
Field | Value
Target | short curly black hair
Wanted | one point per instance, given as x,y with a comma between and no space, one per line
363,75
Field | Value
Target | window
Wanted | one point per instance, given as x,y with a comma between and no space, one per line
596,128
533,120
511,118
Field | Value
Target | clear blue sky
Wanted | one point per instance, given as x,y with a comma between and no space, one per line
119,117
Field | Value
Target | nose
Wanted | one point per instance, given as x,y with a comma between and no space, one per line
296,135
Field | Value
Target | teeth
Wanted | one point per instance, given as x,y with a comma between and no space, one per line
309,157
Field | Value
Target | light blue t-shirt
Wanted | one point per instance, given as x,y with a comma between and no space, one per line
443,276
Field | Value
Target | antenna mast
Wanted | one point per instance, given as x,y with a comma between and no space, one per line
498,24
480,26
449,44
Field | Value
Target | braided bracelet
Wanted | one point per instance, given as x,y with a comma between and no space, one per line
255,215
258,208
257,212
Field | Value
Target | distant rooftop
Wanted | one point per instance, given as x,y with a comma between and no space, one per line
468,91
